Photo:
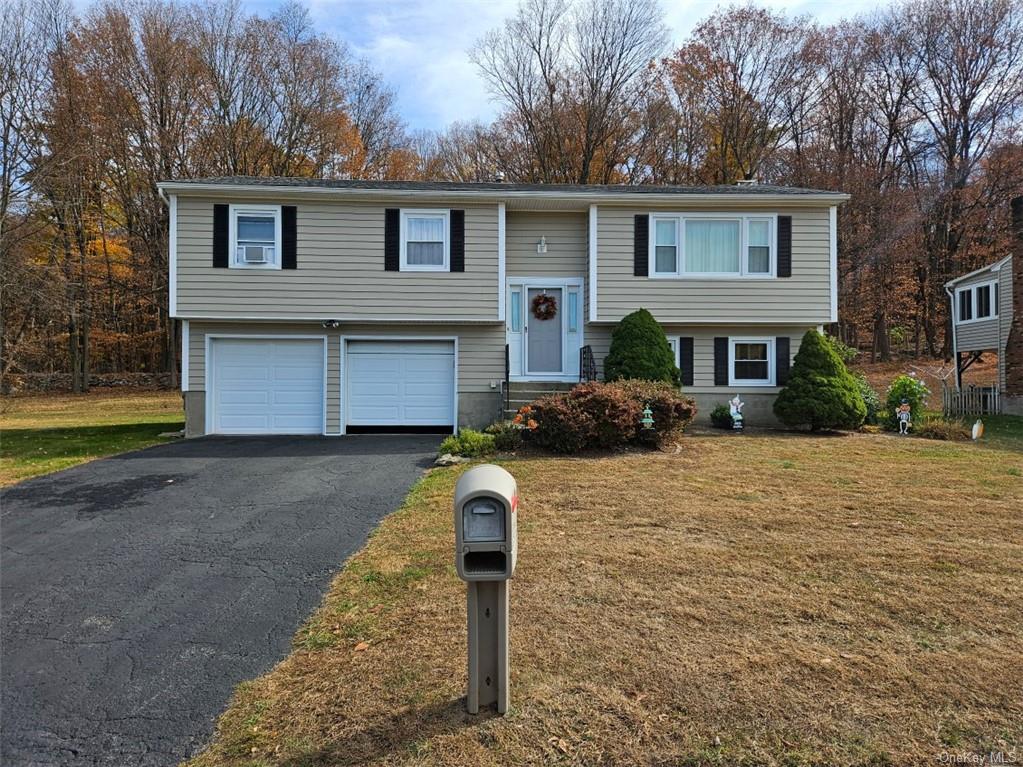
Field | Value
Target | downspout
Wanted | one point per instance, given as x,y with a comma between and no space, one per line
955,343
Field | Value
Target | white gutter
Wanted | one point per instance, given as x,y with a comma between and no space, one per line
498,195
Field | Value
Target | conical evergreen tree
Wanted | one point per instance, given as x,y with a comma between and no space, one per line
821,393
639,349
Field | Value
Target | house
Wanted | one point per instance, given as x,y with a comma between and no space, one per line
336,307
986,307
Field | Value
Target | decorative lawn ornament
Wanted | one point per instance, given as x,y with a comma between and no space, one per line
904,416
735,406
648,418
545,307
978,430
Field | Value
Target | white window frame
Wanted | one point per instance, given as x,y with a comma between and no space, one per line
257,210
407,213
771,373
744,220
974,290
673,345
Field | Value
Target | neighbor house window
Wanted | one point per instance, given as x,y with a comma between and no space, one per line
977,302
711,245
424,241
751,361
255,236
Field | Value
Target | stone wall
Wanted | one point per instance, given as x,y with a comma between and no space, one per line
40,383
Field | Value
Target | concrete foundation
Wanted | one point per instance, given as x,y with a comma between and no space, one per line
195,413
756,412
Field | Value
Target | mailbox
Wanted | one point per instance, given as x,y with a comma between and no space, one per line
485,531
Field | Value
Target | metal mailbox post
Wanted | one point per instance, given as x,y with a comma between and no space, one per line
486,543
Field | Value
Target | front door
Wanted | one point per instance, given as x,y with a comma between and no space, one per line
545,337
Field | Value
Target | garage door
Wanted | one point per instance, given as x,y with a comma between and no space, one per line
264,386
400,383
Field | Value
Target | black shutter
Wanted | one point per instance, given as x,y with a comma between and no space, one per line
721,361
221,235
784,246
458,240
640,246
685,359
392,222
781,360
289,237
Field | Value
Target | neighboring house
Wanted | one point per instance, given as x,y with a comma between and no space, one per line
987,316
332,307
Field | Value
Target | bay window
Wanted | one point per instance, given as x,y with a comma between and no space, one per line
712,245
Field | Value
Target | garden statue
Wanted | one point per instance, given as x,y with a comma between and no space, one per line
978,430
735,406
904,416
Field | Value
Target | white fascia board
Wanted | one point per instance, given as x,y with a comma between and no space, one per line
501,262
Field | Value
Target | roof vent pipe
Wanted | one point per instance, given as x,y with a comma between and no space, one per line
499,177
746,182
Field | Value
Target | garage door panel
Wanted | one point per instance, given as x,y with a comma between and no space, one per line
400,383
263,386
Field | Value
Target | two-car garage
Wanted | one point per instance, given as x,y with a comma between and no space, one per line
284,385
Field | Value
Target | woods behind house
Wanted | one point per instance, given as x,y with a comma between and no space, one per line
915,110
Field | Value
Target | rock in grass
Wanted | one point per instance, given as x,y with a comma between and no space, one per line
449,460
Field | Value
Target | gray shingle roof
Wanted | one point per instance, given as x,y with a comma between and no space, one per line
457,186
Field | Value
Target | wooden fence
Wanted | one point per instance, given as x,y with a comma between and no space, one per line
970,400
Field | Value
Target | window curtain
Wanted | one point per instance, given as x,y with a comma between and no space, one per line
712,246
425,241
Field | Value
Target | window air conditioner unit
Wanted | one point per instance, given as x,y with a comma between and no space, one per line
255,254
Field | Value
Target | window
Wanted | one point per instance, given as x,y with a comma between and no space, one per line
977,302
516,311
712,245
255,236
424,241
666,246
673,345
751,361
573,311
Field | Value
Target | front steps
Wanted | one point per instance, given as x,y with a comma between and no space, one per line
523,392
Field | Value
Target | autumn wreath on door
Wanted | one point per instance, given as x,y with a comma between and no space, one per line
544,307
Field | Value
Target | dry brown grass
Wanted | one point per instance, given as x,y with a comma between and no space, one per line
752,600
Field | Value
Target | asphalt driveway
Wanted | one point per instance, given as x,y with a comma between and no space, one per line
139,590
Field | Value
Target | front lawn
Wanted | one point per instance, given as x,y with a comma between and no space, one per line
45,433
791,600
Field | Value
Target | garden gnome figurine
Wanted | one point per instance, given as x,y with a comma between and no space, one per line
735,406
904,416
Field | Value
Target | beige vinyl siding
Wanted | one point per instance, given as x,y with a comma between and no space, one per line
566,235
1005,315
805,297
480,351
340,270
599,338
984,334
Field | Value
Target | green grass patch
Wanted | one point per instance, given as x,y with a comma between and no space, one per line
49,433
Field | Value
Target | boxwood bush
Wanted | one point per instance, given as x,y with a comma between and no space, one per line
607,415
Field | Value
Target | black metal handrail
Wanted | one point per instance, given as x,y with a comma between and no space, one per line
587,365
507,377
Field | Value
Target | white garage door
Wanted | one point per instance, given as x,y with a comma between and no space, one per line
400,383
264,386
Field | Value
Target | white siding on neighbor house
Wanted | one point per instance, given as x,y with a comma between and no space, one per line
980,335
566,244
805,297
599,339
340,270
480,351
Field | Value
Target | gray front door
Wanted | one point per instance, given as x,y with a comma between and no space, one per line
544,337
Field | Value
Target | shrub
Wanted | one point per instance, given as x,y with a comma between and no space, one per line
909,388
468,443
845,352
507,435
721,417
671,411
935,427
607,415
639,350
871,399
820,393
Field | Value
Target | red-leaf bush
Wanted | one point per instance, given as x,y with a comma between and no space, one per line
607,415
